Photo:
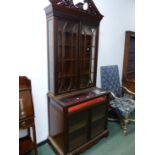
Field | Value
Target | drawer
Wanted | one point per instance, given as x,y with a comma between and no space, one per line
23,124
87,104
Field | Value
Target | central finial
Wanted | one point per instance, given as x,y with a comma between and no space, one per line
81,4
77,1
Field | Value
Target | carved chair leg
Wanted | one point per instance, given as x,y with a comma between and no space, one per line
125,130
124,127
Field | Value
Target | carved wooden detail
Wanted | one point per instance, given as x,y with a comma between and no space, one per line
92,8
68,4
64,3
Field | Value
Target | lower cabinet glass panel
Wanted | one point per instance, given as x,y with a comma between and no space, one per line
78,123
98,121
98,127
99,110
77,138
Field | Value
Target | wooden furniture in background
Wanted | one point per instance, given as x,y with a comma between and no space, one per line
26,116
77,109
129,61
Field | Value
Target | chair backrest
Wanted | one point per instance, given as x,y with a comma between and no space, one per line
110,79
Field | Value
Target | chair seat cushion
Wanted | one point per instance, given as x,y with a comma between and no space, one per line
123,105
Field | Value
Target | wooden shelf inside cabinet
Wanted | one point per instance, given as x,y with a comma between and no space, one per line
98,117
26,116
66,75
65,60
77,126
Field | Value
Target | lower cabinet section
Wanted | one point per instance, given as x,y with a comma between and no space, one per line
98,127
77,138
77,125
99,119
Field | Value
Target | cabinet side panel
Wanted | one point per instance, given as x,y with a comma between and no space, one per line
50,54
55,120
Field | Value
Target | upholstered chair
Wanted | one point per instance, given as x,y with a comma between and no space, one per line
122,103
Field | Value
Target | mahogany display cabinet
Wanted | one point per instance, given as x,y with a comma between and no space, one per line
77,108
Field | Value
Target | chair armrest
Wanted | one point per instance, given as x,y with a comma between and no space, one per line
127,91
113,95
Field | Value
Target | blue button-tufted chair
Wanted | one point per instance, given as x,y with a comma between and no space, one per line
122,102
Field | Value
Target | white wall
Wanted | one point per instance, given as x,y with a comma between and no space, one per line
33,58
118,17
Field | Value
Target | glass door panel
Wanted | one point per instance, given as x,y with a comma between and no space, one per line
87,55
78,129
67,45
98,120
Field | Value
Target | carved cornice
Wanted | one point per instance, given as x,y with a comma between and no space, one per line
92,7
68,5
64,3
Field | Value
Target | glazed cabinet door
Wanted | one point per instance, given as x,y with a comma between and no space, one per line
78,129
72,54
99,119
88,55
67,55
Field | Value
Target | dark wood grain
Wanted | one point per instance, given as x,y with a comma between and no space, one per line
26,116
129,61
